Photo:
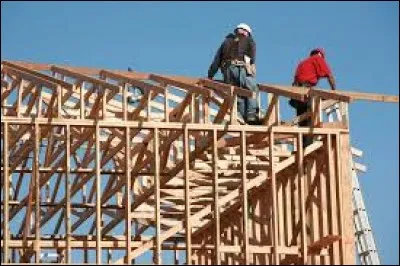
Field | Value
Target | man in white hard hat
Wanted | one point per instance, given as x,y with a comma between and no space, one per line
236,58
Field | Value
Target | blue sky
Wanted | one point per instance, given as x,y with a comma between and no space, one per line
361,40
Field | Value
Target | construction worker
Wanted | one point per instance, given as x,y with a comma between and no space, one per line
236,58
308,73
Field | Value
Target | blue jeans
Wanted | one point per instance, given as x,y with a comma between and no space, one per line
237,76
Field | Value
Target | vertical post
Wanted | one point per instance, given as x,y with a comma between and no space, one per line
272,101
59,94
149,106
193,108
339,196
19,99
206,108
128,219
124,101
6,193
68,193
103,100
166,106
37,194
82,100
243,162
332,207
300,170
274,199
234,106
344,108
157,196
347,200
216,202
98,196
277,111
187,198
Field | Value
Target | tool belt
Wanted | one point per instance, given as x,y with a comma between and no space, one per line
250,68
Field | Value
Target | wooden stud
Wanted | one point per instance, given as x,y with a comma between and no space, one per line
128,185
37,193
217,230
6,196
301,177
157,195
68,193
187,198
274,199
98,197
245,207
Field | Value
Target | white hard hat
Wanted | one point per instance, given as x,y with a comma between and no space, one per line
244,26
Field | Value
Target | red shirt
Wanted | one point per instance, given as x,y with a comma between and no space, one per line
312,69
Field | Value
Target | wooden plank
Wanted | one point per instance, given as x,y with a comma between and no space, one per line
6,194
134,82
187,198
158,242
30,77
217,230
98,196
331,95
245,207
300,170
79,76
275,225
169,81
128,185
68,194
37,193
297,93
347,208
332,201
225,88
370,96
38,74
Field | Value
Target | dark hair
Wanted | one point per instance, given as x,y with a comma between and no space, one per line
314,52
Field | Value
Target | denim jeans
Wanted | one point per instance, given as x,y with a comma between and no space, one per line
237,76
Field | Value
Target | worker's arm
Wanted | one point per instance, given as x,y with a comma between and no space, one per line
216,63
331,80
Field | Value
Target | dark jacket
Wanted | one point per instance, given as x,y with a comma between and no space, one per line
233,47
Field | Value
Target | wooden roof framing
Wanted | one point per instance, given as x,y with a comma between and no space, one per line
182,164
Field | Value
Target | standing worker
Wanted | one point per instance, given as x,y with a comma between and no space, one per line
308,73
236,58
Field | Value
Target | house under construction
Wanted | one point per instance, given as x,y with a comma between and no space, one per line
118,167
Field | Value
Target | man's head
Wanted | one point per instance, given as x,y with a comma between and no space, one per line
318,51
243,29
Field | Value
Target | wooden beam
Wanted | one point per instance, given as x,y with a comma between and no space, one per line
51,79
158,242
6,194
272,173
128,185
188,226
217,230
243,162
37,193
68,194
77,75
179,84
226,88
98,151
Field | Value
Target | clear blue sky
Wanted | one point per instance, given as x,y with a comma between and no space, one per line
361,40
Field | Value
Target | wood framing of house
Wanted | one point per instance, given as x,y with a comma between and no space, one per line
93,172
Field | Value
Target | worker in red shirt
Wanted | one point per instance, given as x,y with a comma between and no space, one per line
308,73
